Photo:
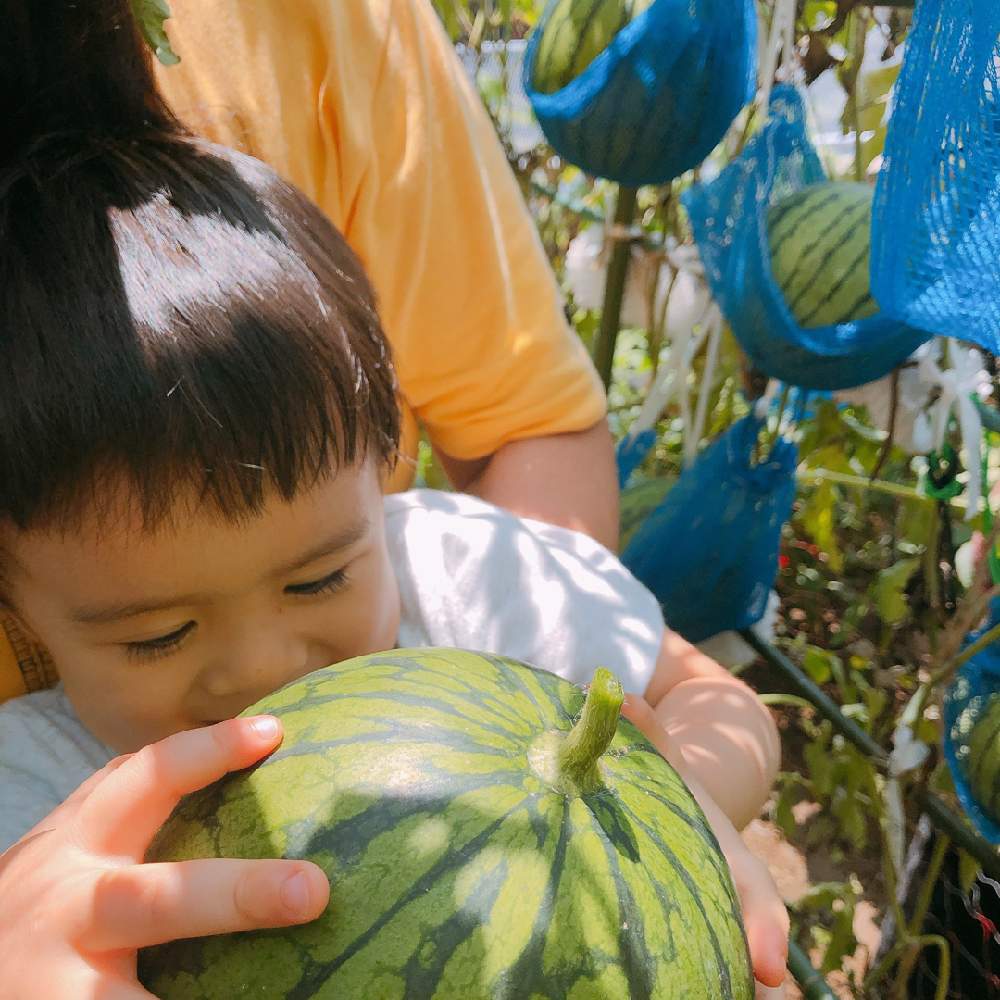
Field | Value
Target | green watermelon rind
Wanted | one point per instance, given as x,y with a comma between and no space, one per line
982,759
820,243
454,872
574,34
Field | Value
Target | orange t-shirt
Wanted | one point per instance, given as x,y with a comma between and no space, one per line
364,105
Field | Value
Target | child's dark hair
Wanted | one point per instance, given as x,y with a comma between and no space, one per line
170,311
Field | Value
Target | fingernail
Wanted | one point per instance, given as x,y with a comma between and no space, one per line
265,726
295,893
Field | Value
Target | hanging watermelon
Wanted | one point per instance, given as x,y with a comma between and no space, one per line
983,761
483,840
639,91
820,241
575,33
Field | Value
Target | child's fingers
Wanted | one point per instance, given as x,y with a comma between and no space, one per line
142,905
640,713
769,992
69,807
122,813
124,991
765,919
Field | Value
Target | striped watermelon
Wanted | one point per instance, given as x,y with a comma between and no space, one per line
478,843
574,34
983,762
820,241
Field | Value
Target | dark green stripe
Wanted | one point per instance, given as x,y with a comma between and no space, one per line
423,979
974,771
722,962
858,309
594,12
450,863
636,960
698,825
550,685
812,204
815,268
526,975
420,701
837,286
703,831
348,840
561,23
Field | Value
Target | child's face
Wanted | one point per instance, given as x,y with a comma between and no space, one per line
158,632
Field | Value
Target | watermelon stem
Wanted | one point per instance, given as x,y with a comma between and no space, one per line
592,735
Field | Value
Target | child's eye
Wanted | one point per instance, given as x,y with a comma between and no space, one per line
149,649
326,585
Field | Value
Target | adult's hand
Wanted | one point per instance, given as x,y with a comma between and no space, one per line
78,901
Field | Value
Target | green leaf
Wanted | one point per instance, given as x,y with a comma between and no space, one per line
889,589
783,815
818,14
817,758
150,14
842,941
818,520
817,664
876,700
968,871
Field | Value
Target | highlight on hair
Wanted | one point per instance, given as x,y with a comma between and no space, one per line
170,311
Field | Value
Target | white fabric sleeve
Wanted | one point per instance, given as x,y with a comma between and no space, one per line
477,577
45,754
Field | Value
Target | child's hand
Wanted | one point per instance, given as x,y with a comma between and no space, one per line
764,915
78,901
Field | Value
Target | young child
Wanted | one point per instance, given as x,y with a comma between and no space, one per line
197,409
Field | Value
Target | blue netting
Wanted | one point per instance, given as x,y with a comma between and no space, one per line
965,699
631,452
709,552
936,222
660,97
729,217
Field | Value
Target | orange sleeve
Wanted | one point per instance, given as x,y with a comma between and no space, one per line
365,106
483,350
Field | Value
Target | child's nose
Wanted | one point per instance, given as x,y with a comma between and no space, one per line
257,664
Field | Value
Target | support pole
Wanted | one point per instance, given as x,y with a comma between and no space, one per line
614,289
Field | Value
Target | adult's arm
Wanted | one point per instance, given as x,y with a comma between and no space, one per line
564,479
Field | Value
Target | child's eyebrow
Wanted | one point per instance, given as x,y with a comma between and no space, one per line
345,537
103,614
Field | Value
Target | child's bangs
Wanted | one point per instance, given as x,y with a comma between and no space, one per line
213,334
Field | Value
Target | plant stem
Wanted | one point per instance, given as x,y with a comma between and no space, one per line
614,289
923,903
812,984
863,483
592,735
946,672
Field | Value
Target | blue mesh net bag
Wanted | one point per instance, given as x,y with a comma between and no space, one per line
660,94
709,551
936,225
630,453
967,702
729,216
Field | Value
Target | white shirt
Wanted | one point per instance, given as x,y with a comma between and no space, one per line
470,576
